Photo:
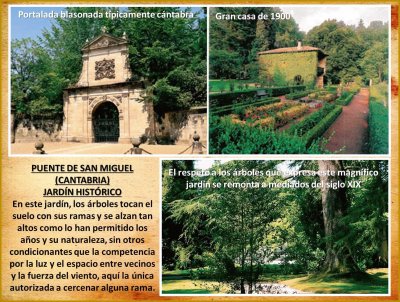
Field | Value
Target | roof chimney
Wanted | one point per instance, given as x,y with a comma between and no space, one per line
299,45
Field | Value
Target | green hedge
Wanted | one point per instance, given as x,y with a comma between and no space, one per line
323,125
229,138
310,121
224,110
296,95
228,98
344,99
378,121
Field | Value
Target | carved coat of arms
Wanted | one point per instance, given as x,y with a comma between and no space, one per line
105,69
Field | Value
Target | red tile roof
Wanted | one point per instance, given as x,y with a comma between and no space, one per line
292,49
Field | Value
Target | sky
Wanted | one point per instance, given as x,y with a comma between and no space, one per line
308,17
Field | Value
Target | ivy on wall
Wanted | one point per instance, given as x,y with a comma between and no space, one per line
289,65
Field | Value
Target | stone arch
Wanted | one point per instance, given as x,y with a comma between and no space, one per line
94,102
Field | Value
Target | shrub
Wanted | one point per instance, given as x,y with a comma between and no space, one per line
269,109
268,121
378,120
323,125
282,118
228,98
296,95
277,91
328,97
344,99
311,121
241,106
229,138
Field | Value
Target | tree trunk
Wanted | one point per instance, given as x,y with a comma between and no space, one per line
334,206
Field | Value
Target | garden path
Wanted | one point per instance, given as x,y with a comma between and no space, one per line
349,133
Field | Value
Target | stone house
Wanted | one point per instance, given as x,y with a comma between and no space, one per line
301,65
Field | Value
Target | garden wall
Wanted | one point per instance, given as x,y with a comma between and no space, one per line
179,127
47,130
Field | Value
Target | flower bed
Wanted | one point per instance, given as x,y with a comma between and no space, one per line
282,118
272,116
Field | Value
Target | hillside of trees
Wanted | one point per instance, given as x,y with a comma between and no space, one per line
356,53
169,55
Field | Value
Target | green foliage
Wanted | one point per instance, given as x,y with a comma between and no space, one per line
302,127
323,125
35,88
375,62
350,51
240,106
229,138
241,40
174,68
224,85
378,121
224,64
236,221
367,218
228,98
247,229
278,77
274,67
344,99
380,93
296,95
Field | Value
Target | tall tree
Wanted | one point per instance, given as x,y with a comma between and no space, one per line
168,54
334,207
237,220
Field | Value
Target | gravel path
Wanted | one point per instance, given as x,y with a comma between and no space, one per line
349,133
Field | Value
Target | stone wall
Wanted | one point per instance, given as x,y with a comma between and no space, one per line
48,130
179,127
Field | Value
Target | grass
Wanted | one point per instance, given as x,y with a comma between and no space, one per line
380,92
373,281
179,282
173,286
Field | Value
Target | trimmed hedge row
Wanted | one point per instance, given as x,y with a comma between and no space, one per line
228,98
224,110
378,120
223,99
296,95
344,100
323,125
311,121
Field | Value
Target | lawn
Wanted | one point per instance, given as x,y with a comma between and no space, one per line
374,281
178,282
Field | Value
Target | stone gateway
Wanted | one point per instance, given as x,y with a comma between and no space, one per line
105,105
